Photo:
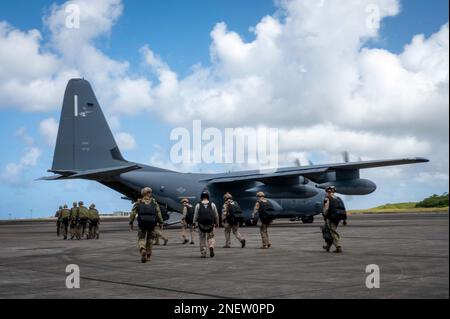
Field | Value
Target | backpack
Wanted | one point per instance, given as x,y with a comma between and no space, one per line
93,215
189,215
234,216
337,211
205,217
147,214
264,212
83,213
326,234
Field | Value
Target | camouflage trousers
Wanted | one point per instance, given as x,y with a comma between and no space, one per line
73,229
64,225
145,240
264,234
334,234
184,229
159,234
206,241
58,228
93,229
235,228
81,228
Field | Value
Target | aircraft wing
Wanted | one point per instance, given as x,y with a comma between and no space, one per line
91,173
308,171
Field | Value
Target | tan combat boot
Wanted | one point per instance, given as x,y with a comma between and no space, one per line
143,255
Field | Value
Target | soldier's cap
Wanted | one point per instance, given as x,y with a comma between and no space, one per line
184,200
60,207
146,190
92,206
74,204
260,194
80,203
227,196
65,205
204,195
330,189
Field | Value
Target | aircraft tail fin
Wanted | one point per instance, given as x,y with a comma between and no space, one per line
84,140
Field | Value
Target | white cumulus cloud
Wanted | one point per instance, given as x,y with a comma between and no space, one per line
49,130
125,141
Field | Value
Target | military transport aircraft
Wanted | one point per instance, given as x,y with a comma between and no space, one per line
86,149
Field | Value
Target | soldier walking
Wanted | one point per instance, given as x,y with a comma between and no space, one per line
94,221
148,216
83,214
206,218
231,218
333,212
65,219
58,220
74,221
187,221
261,212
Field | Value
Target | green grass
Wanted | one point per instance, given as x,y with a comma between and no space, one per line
408,205
399,210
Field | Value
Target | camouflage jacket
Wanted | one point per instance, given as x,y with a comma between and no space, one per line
83,212
74,213
93,214
65,213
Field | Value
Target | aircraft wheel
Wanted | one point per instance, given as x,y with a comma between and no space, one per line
308,219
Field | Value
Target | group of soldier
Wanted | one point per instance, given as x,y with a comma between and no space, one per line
204,216
78,222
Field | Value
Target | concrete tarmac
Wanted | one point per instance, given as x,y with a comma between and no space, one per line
411,250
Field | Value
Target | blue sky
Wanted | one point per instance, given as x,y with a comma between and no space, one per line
179,32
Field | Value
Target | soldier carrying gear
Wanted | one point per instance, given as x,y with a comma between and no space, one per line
65,218
83,214
73,219
232,218
333,212
58,220
94,221
148,216
206,218
187,221
262,211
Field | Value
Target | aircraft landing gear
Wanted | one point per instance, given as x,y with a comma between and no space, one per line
308,219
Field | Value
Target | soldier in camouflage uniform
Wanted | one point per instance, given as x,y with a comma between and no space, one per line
228,200
83,214
65,219
206,231
58,221
73,219
146,206
330,222
94,221
264,225
187,221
